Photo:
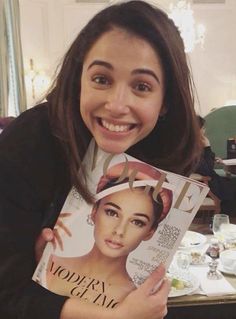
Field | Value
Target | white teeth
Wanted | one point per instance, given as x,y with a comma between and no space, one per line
115,128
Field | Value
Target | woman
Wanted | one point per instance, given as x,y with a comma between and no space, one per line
125,81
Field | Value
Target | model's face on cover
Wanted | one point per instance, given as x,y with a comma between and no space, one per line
122,89
122,220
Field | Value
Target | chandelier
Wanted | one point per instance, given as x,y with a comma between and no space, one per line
182,15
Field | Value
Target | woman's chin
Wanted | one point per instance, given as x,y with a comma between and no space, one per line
113,147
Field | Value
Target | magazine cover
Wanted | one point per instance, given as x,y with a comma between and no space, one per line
105,250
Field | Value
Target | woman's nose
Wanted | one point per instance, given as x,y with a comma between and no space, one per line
118,100
119,230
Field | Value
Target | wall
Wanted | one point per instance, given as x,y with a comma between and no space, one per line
49,26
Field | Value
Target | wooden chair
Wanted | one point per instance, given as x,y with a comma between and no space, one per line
211,204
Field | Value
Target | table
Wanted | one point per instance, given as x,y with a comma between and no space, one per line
201,306
229,167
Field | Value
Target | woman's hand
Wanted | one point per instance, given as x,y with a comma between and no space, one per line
51,235
142,303
45,237
60,226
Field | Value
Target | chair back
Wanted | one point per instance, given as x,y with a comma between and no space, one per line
220,125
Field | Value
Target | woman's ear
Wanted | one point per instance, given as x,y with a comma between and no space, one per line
94,211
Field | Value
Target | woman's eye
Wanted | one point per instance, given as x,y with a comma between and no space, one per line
143,87
111,212
100,79
138,223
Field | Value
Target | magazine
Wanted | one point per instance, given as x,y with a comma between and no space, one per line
103,251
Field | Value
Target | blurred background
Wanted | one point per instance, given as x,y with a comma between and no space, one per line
47,27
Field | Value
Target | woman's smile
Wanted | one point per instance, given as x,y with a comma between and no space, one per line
115,127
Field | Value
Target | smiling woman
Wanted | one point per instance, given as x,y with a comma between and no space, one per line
124,71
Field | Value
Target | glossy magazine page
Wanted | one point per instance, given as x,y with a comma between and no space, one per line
103,251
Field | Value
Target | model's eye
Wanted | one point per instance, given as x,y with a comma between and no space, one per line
111,212
139,223
143,87
101,79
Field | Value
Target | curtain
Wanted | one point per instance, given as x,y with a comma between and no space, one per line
3,64
12,93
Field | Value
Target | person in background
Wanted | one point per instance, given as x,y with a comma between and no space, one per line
125,82
221,186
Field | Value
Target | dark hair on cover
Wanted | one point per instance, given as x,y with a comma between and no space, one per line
174,142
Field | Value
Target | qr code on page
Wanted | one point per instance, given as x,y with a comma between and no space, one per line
168,236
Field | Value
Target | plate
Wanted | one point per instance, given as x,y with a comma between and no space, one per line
188,277
225,271
192,239
203,262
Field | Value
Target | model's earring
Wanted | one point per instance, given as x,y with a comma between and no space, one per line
90,220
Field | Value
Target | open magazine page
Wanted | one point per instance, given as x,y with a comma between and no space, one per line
140,214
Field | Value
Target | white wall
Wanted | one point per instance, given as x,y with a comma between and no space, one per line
49,26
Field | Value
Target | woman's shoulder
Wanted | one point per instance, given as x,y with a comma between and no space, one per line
28,137
30,152
30,123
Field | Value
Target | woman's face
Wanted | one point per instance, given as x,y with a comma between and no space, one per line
122,220
122,88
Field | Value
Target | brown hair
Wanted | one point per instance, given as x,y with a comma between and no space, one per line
174,142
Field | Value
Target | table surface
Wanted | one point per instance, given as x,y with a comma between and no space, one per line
197,299
230,170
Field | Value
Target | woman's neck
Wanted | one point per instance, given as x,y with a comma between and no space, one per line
96,264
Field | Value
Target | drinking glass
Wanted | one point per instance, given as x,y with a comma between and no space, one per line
218,220
183,260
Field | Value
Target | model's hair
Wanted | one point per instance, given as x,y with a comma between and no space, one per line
174,142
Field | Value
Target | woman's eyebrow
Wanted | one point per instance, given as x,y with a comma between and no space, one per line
136,71
112,204
146,71
143,215
102,63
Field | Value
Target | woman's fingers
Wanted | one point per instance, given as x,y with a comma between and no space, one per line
58,241
149,300
53,236
61,225
45,236
154,281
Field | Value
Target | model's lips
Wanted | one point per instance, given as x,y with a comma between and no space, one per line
113,244
115,127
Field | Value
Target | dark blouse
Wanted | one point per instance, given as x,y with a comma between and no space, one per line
33,187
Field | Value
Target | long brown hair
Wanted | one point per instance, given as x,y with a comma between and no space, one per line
174,142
